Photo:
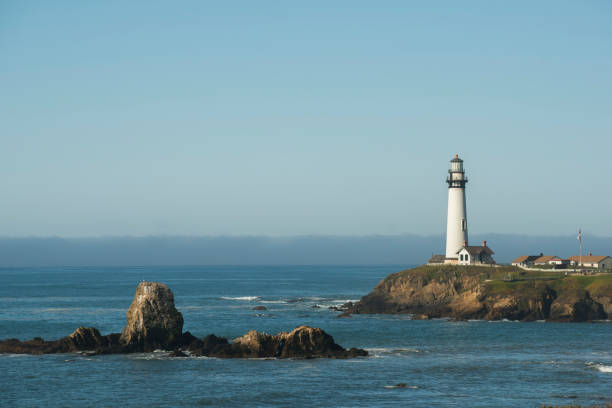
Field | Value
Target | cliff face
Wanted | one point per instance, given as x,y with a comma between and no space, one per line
466,292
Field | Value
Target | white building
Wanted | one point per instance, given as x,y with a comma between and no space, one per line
592,261
476,255
457,249
456,221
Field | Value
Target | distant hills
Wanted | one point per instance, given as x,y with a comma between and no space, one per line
405,249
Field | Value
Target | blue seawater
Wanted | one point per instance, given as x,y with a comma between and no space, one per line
443,363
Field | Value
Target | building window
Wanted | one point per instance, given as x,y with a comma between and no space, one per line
461,257
463,225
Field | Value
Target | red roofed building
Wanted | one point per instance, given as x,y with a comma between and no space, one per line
544,259
525,260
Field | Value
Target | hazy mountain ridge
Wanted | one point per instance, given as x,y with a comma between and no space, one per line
261,250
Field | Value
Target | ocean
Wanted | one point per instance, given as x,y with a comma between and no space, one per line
443,363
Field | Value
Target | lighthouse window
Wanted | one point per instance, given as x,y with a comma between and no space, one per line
463,225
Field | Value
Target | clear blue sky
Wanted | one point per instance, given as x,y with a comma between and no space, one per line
318,117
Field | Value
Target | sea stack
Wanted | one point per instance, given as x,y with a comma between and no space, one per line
152,320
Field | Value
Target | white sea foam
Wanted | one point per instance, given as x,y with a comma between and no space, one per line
245,298
603,368
191,307
392,351
58,309
274,301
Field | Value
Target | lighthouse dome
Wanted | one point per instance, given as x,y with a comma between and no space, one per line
456,164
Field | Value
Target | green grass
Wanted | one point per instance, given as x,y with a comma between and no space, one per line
522,281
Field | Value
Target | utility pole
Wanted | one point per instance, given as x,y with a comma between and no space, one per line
580,240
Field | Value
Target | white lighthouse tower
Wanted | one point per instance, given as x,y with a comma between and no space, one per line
456,222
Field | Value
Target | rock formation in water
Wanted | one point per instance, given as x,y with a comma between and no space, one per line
303,342
154,323
152,320
468,292
81,339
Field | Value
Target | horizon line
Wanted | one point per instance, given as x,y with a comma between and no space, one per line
287,236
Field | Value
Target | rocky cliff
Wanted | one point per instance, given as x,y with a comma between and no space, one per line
153,322
468,292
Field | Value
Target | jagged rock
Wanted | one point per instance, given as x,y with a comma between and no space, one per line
152,320
260,308
312,342
82,339
303,342
87,338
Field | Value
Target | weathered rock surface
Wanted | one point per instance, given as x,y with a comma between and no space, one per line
303,342
152,320
82,339
467,292
154,323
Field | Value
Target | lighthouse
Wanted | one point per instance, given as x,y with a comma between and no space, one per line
457,249
456,221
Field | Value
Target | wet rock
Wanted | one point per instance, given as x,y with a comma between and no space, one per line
152,320
399,385
311,342
255,344
82,339
260,308
303,342
421,317
344,315
87,338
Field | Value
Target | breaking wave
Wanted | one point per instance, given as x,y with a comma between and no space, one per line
244,298
602,368
392,351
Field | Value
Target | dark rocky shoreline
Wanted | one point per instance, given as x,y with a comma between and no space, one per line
154,323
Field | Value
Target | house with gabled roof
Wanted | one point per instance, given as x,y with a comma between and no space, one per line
544,259
592,261
525,260
475,255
